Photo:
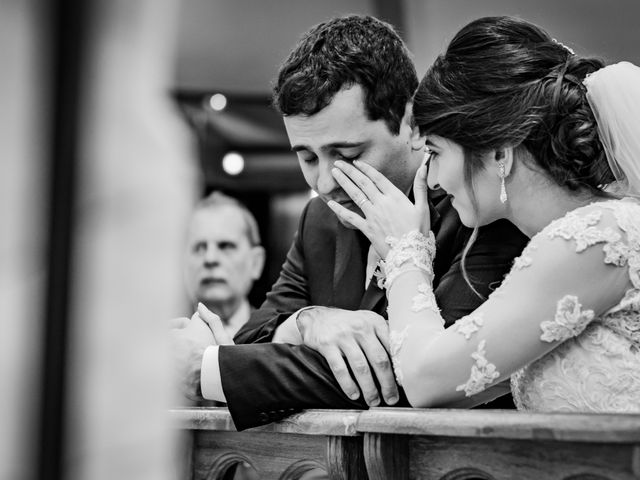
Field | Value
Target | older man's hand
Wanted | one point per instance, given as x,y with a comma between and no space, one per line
189,339
188,343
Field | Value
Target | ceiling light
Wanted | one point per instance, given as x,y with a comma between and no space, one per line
218,102
233,163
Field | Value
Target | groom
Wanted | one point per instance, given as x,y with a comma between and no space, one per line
344,93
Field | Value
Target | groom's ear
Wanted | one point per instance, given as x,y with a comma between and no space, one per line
416,139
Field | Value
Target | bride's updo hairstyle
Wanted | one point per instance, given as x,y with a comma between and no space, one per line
504,82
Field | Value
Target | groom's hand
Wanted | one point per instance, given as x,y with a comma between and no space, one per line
359,338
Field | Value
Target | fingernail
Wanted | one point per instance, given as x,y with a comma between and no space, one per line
374,402
202,310
392,400
354,395
356,162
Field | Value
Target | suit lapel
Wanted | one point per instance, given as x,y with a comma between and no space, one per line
348,270
374,299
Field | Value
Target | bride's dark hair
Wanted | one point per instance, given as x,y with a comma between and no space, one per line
504,82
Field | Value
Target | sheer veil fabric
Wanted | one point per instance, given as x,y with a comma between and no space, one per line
613,93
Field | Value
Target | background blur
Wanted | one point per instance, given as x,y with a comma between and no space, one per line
116,116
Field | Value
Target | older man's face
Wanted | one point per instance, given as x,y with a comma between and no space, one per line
221,264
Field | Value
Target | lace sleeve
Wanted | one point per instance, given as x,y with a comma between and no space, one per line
572,272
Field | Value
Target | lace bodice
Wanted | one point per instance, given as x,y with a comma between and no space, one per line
596,367
564,325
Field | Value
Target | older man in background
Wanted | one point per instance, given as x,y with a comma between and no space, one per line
223,258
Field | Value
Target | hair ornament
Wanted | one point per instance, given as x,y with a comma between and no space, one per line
568,49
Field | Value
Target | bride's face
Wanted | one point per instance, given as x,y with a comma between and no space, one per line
447,171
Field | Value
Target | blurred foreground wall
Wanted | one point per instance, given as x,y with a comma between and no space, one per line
135,186
23,101
135,189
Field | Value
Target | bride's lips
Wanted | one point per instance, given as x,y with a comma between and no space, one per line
209,281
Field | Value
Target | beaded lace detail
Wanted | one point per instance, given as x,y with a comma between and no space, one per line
595,368
569,321
412,251
469,325
483,373
425,299
396,339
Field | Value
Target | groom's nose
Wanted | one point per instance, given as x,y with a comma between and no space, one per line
325,183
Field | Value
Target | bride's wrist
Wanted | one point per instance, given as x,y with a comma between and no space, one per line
413,251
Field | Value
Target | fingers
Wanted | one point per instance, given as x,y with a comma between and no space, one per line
420,189
354,191
380,362
360,179
215,324
381,182
348,216
357,361
338,367
181,322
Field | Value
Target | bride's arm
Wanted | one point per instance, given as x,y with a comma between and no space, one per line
551,299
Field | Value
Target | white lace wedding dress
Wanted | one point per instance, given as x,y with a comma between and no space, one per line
564,325
596,367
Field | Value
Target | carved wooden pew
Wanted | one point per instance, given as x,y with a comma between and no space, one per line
395,443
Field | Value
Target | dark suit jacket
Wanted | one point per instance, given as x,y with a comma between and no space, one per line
264,382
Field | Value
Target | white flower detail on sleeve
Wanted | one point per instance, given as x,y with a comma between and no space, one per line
521,262
634,270
616,253
425,299
396,339
568,322
483,373
469,325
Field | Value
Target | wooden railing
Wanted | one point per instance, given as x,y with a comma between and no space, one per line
396,443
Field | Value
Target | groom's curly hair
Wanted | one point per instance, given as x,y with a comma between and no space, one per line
342,52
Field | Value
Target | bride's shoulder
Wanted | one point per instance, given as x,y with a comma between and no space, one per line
605,222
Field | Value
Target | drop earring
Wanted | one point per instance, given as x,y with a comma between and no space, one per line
502,174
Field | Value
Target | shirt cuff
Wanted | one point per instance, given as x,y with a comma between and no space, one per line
210,379
287,331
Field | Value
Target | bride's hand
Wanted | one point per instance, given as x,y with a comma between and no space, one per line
387,211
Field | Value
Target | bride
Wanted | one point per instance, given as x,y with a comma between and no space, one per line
519,127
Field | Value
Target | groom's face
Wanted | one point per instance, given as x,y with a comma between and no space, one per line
343,131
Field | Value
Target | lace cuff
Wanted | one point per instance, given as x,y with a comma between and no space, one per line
413,251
